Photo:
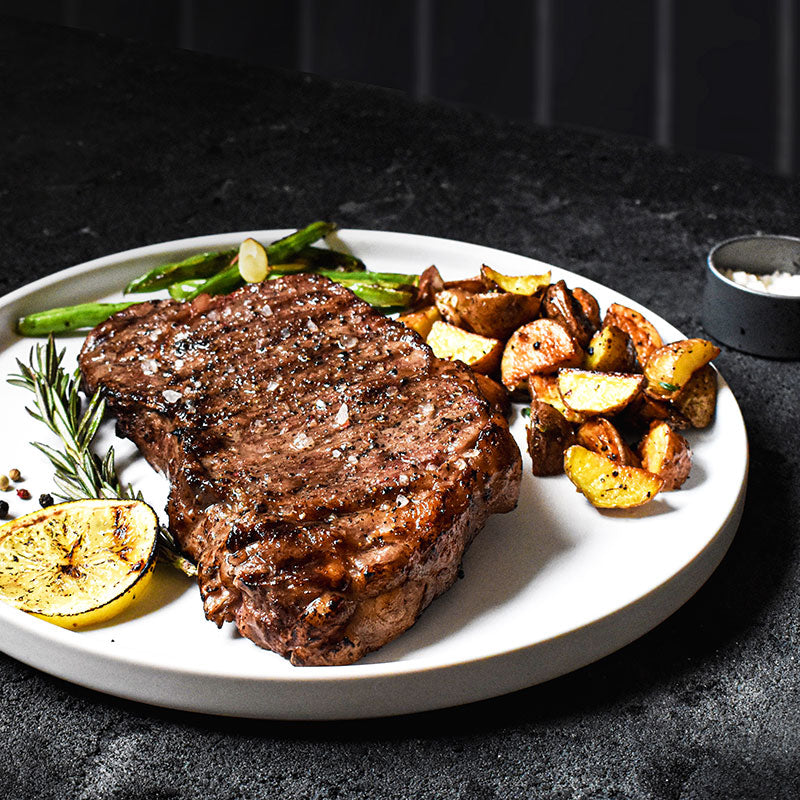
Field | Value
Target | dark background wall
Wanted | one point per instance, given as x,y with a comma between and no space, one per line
694,74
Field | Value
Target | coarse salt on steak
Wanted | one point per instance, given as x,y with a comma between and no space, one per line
326,470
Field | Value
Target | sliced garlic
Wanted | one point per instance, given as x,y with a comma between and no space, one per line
253,265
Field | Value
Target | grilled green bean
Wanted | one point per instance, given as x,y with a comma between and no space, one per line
200,265
68,318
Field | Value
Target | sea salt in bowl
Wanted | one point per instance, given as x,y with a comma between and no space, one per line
752,295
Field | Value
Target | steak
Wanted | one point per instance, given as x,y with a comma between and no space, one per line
327,471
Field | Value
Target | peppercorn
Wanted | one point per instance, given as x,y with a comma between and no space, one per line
45,500
3,482
14,474
23,494
3,509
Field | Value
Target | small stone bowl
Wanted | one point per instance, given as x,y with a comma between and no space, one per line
750,320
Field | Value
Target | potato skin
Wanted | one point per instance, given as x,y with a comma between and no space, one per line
493,314
591,308
600,435
643,410
560,305
430,282
646,339
666,454
541,346
549,435
698,400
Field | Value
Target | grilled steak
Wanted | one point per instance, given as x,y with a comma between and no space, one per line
327,471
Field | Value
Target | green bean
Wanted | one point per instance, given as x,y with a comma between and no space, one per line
284,249
317,258
391,279
381,297
200,265
182,289
68,318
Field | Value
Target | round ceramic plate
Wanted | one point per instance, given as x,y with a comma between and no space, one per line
547,588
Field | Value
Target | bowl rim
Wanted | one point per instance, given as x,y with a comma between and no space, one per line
717,273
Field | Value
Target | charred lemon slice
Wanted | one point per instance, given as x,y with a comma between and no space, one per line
78,563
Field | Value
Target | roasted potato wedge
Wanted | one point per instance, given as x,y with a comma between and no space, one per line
422,320
559,304
479,352
610,350
495,393
493,314
667,454
598,393
542,346
600,435
669,369
430,282
549,435
590,306
644,336
515,284
698,401
545,388
643,410
606,484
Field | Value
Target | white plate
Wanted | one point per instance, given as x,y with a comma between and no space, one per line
548,588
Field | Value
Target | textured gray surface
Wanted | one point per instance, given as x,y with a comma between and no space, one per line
108,146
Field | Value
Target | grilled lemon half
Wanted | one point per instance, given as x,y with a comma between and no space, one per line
78,563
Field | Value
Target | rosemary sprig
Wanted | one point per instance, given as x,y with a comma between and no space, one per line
79,472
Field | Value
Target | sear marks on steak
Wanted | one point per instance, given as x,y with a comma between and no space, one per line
326,470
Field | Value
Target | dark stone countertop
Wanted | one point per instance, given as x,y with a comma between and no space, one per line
109,145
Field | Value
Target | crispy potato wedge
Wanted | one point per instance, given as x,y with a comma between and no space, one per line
479,352
667,454
545,388
643,410
606,484
559,304
542,346
430,282
549,435
698,401
590,306
644,336
669,369
493,314
515,284
610,350
600,435
598,393
421,320
495,393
